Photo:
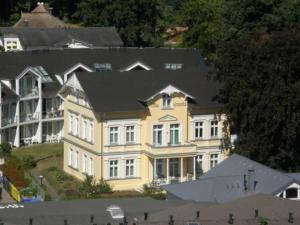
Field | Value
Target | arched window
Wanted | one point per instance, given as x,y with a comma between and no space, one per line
291,193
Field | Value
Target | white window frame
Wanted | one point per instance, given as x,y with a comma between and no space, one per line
172,133
113,168
199,128
167,101
214,128
130,167
213,160
114,135
155,130
131,134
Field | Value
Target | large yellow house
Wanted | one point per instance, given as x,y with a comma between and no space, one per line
136,127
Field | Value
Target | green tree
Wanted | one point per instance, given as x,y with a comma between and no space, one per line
212,22
137,21
261,93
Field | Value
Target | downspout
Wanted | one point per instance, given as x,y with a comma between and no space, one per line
102,161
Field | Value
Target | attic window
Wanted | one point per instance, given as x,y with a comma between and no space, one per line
173,66
103,67
167,101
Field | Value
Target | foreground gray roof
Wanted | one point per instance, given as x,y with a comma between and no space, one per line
275,210
40,38
128,91
59,61
80,211
225,182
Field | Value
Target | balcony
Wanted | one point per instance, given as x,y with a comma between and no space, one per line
9,121
178,149
53,114
29,92
29,117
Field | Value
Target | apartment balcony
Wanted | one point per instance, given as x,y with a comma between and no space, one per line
178,149
29,92
9,121
53,115
29,117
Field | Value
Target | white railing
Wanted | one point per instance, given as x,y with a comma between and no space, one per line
8,121
53,114
29,117
29,92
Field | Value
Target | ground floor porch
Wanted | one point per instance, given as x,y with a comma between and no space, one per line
176,169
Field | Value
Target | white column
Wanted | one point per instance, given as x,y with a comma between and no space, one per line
168,175
39,109
154,169
194,168
17,137
181,169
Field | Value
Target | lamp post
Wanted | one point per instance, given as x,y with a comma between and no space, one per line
41,179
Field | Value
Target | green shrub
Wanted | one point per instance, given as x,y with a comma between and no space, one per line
28,162
29,192
5,149
91,189
104,186
153,191
62,176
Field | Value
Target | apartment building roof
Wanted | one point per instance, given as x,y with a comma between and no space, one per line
131,91
274,210
226,182
45,38
80,211
61,61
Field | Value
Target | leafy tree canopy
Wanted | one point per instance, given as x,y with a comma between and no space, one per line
261,76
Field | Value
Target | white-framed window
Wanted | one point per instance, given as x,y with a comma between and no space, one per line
113,168
174,134
113,135
167,101
70,155
198,130
87,165
130,130
157,135
129,167
173,66
76,126
213,160
87,130
91,166
71,123
73,159
214,128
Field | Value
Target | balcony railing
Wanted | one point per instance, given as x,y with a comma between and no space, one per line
8,121
29,117
53,114
29,92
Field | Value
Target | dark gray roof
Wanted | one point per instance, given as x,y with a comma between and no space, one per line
225,182
59,61
79,211
7,93
275,210
127,91
40,38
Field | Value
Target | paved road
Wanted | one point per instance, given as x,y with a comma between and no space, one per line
52,192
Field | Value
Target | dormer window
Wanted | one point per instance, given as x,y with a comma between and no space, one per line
173,66
167,100
104,67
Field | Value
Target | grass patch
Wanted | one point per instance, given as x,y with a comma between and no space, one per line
39,151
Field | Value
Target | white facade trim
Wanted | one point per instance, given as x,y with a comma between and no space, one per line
136,64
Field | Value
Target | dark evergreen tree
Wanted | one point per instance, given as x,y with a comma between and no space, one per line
261,76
